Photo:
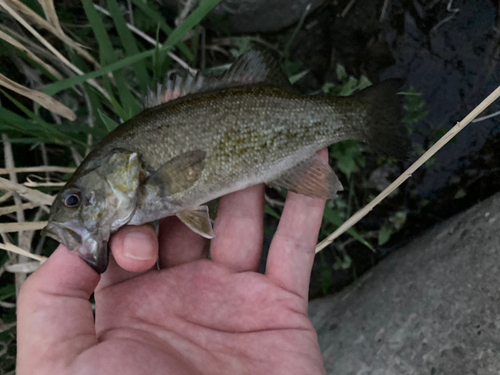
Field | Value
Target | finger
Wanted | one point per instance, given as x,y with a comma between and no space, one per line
135,247
134,250
292,250
239,229
54,315
179,244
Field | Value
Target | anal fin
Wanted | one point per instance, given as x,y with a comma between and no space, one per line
198,220
312,177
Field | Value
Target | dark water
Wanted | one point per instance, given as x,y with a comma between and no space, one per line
448,51
450,55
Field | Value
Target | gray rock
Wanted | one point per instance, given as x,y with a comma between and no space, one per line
431,308
250,16
255,16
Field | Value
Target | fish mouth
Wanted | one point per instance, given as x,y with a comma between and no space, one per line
94,253
60,233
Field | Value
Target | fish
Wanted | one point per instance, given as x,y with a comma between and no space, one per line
200,138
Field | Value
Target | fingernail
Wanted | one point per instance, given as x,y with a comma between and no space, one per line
139,246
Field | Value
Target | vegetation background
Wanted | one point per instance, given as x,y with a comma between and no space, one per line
72,71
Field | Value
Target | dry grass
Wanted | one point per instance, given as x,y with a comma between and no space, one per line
17,250
31,195
43,99
42,168
6,5
20,227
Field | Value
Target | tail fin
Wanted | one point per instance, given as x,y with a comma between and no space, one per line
384,131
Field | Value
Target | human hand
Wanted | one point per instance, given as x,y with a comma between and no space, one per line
194,315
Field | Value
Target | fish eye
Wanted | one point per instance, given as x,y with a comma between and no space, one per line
72,199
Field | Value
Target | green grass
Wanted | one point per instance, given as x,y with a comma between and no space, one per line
124,56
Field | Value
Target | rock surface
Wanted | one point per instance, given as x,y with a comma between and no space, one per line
253,16
432,308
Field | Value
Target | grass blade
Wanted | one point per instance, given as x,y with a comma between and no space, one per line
7,38
18,227
42,40
14,249
270,211
190,22
129,43
50,133
56,87
173,39
108,122
44,100
108,56
158,18
32,195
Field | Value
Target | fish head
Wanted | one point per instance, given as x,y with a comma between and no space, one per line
99,198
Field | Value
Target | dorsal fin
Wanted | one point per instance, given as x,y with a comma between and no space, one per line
251,67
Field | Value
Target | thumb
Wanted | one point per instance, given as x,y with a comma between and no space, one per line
55,322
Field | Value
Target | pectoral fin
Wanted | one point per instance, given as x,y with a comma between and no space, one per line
179,173
198,220
312,177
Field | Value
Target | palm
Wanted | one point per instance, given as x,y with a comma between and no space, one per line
193,315
225,323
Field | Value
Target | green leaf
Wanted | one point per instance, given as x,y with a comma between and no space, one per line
5,256
108,122
333,217
96,104
193,19
364,82
348,155
414,107
7,292
349,87
190,22
460,194
343,263
384,235
293,79
41,129
120,111
347,165
292,68
27,141
341,72
270,211
55,87
106,50
325,278
159,59
268,231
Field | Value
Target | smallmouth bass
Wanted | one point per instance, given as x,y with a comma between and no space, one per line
201,138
